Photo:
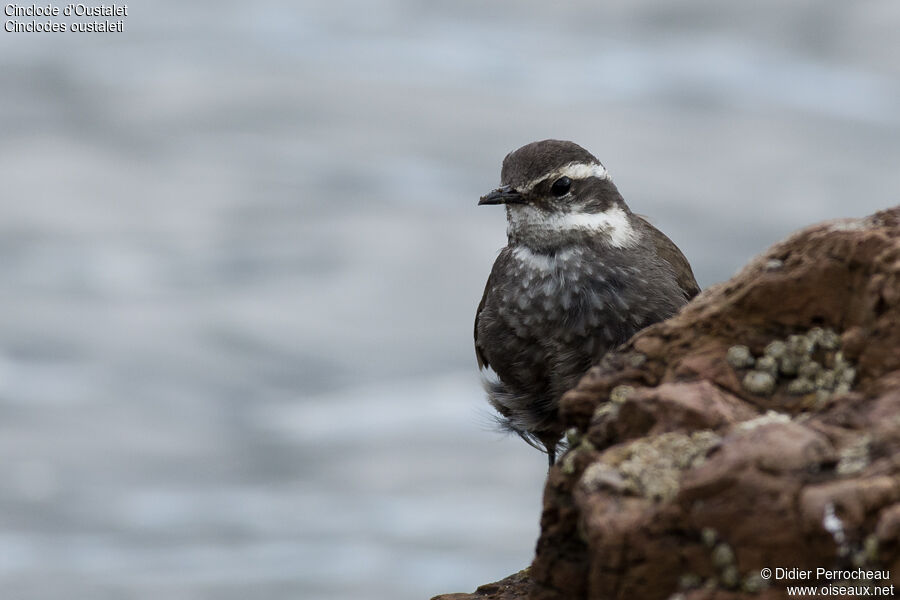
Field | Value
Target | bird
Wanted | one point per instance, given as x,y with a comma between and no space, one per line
579,276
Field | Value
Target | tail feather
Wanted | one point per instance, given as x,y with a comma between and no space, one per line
513,417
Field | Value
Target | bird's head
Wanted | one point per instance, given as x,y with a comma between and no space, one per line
558,193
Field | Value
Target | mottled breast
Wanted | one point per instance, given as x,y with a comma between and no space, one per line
571,296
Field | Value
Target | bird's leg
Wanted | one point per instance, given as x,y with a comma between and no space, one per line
550,446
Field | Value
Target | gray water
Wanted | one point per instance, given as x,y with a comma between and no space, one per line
241,257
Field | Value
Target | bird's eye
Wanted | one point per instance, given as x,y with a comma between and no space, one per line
561,186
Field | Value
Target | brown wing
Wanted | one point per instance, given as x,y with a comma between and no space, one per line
479,355
669,252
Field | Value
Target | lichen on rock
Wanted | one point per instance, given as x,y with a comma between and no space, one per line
807,363
650,468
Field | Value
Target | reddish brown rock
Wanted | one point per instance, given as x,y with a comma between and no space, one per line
693,468
514,587
689,477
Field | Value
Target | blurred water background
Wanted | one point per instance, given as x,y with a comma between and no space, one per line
240,256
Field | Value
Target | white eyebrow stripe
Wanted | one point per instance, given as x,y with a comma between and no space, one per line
572,171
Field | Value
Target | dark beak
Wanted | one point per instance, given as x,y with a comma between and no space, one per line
502,195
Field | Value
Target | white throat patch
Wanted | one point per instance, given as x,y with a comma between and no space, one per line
572,171
527,221
542,262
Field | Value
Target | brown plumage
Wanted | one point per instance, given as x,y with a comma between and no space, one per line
580,275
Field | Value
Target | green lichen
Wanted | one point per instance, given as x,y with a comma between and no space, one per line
776,350
636,359
770,417
617,397
573,437
801,386
870,549
809,364
652,468
568,463
767,364
709,536
730,577
754,584
856,457
602,477
689,581
759,383
722,556
620,393
739,357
